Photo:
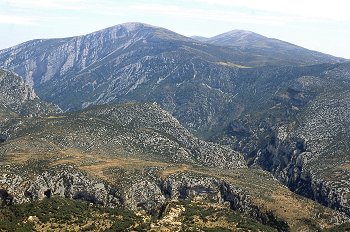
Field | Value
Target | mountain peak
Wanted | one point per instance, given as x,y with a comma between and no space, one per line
142,30
239,32
124,29
236,36
132,26
129,27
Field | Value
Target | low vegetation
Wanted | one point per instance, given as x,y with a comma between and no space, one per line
62,214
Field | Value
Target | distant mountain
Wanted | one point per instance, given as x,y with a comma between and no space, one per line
268,49
39,61
16,97
268,99
139,62
42,60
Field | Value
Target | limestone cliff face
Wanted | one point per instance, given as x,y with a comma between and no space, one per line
65,182
291,121
149,192
17,96
14,90
39,61
300,133
199,83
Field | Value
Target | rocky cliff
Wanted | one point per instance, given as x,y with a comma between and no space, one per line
141,159
289,120
139,62
150,190
17,97
300,135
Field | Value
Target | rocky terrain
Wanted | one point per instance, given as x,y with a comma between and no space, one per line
129,61
203,125
18,98
139,129
299,134
141,159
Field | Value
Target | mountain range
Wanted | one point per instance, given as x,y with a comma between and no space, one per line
217,119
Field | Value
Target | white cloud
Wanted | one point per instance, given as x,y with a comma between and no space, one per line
19,20
48,4
213,15
299,9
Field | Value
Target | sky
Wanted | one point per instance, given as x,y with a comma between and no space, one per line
320,25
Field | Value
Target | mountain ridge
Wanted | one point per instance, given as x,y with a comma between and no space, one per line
72,49
272,102
248,40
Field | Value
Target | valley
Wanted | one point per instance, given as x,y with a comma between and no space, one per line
139,122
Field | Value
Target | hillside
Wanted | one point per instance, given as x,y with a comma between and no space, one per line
297,129
239,120
133,62
111,64
141,159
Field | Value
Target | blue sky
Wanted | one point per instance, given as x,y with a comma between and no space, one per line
318,25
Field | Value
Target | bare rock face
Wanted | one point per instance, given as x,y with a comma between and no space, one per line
15,89
290,121
59,57
17,96
196,82
141,133
148,192
65,182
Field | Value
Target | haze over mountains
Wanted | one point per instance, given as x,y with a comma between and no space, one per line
191,107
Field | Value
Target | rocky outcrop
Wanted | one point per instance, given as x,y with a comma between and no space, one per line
330,194
300,132
149,193
17,96
144,192
65,182
292,163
